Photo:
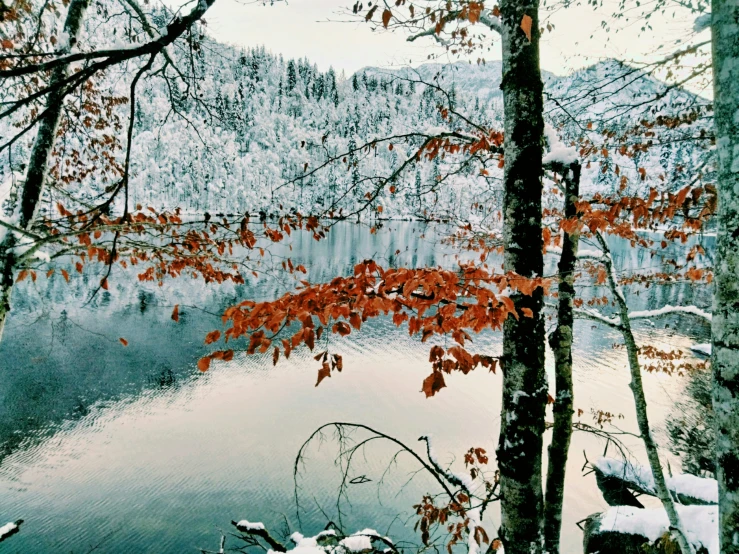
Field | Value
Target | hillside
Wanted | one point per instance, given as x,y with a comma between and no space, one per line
259,119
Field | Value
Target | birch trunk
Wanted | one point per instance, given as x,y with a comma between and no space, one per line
520,445
725,327
33,185
640,403
561,343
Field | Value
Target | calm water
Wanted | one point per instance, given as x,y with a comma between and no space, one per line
112,449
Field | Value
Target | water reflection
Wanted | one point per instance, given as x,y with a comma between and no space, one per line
132,448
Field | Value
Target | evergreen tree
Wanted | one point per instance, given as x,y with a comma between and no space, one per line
292,75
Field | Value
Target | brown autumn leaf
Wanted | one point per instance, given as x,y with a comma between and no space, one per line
601,277
386,15
433,383
526,22
49,273
65,274
104,283
275,355
342,328
204,364
370,13
355,320
527,312
176,313
474,12
212,337
324,372
124,342
22,276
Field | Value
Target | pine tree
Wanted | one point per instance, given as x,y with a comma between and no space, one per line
292,76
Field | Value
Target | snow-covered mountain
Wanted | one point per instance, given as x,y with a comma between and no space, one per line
257,125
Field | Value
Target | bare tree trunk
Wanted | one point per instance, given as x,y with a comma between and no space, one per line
725,327
520,445
640,402
33,185
561,342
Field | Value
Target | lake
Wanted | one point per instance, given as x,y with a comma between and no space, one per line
120,449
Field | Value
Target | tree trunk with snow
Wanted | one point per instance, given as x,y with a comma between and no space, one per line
33,186
640,402
520,445
561,343
725,327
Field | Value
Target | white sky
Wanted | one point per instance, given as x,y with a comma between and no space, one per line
313,29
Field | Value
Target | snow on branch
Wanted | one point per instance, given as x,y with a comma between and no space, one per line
688,489
458,480
328,541
582,254
558,153
665,310
486,17
10,529
258,529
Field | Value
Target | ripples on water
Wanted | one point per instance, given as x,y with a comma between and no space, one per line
133,450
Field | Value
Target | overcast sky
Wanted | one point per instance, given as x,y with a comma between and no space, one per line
313,28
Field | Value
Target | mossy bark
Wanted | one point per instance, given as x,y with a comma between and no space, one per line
725,326
561,343
35,180
524,381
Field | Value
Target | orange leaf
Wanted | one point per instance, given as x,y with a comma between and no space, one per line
527,312
324,372
204,363
65,275
355,320
526,22
433,383
212,337
342,328
386,15
104,283
176,313
275,356
22,275
124,342
601,277
474,12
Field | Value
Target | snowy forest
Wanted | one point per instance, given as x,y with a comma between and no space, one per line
467,305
